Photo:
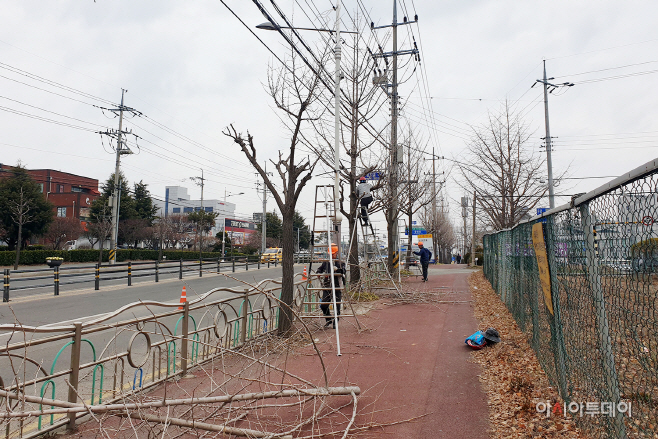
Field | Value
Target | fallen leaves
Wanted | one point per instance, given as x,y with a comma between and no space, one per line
512,377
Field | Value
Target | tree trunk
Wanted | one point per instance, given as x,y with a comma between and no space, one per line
288,272
410,238
20,241
101,241
355,270
391,225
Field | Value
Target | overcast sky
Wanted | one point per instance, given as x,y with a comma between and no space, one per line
192,67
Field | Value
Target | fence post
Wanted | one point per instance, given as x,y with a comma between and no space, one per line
157,271
233,261
218,264
5,291
246,266
200,267
180,270
97,278
603,329
130,274
559,351
259,262
183,348
56,280
75,371
245,312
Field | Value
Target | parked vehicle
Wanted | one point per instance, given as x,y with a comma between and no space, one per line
272,255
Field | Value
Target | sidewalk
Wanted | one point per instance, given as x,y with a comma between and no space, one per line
411,360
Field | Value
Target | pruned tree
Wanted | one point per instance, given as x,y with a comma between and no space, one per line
295,92
100,227
502,168
63,229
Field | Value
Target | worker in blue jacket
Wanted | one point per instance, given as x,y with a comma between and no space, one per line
425,256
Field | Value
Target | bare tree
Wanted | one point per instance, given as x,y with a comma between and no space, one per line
63,229
99,228
502,169
443,233
360,104
413,189
179,231
21,214
295,93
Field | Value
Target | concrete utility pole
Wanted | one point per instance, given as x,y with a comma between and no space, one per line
396,157
120,150
548,138
473,235
549,159
263,226
200,181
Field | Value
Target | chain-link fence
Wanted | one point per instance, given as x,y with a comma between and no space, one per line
582,283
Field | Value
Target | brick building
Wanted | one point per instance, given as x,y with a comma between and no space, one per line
70,194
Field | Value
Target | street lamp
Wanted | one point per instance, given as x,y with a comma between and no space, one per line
268,25
224,225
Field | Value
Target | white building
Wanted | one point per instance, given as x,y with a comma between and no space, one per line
177,201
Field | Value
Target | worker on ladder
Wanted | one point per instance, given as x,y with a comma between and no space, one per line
339,271
363,193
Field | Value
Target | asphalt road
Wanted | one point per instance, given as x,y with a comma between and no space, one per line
83,303
40,280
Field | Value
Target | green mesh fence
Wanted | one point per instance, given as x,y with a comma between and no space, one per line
600,344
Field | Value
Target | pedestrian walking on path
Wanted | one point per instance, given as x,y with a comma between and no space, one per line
425,256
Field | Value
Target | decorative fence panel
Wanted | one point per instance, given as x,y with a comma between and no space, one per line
130,350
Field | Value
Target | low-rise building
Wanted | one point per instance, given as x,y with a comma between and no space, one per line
70,194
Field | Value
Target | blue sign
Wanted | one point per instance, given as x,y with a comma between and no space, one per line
417,230
541,210
372,176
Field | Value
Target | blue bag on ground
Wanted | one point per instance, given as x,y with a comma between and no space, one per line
476,340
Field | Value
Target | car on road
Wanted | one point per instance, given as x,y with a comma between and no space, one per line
272,255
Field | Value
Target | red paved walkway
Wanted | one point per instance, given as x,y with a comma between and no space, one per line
411,361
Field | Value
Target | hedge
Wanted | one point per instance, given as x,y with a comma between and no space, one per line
30,257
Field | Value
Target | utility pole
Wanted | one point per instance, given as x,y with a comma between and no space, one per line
200,182
395,156
263,227
473,235
464,216
120,150
549,160
548,138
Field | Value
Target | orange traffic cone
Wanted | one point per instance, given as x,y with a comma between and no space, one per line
183,298
304,275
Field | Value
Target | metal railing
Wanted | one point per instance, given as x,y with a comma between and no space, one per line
582,281
56,277
159,342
